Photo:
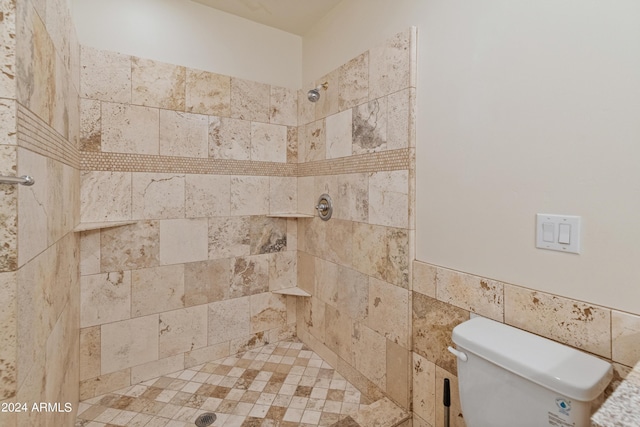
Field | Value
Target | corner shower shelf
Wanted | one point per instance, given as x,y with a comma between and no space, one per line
87,226
292,291
289,215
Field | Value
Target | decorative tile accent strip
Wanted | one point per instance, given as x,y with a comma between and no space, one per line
127,162
37,136
373,162
123,162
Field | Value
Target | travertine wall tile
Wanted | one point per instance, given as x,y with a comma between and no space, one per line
424,278
312,146
183,240
130,129
34,200
292,144
89,352
128,343
229,138
8,123
399,374
183,134
228,320
105,76
249,195
268,311
208,196
328,103
208,93
156,84
8,335
400,120
472,293
339,134
250,100
388,311
369,128
292,234
151,370
90,125
326,281
105,383
283,108
625,331
130,247
268,142
157,196
390,65
306,266
182,330
283,194
424,388
577,324
249,276
382,252
372,351
8,213
354,82
339,335
433,322
157,289
89,252
105,196
353,294
389,198
455,411
206,281
267,235
206,354
306,109
105,298
306,195
283,270
8,40
229,237
311,316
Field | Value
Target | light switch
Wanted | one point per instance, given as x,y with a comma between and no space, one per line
564,234
547,232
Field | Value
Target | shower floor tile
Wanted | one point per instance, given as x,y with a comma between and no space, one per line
279,385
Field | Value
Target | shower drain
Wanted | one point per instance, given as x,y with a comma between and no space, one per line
206,419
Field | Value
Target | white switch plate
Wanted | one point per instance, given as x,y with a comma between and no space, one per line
556,220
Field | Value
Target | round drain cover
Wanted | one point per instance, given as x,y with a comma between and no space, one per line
206,419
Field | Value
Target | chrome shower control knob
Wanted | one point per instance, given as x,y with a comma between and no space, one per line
324,207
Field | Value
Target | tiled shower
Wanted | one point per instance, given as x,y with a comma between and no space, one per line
174,207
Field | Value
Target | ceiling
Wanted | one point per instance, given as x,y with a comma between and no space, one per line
293,16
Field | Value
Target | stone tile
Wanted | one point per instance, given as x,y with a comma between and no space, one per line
455,412
182,330
424,389
312,145
250,100
292,144
7,60
157,289
570,322
625,331
105,298
156,84
89,352
157,196
306,266
8,335
424,278
130,247
472,293
353,293
328,102
370,354
183,240
228,320
105,196
32,234
129,343
381,252
208,195
282,270
338,241
89,252
283,195
208,93
267,235
206,354
311,312
389,198
105,383
206,281
283,106
382,411
306,196
268,311
249,275
268,142
104,75
339,134
8,213
400,119
90,125
389,311
249,195
229,138
369,131
354,82
8,124
339,333
306,109
130,129
326,281
183,134
229,237
151,370
390,66
433,322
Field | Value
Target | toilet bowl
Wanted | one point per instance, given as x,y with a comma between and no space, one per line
511,378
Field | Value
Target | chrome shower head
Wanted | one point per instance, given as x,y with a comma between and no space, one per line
314,94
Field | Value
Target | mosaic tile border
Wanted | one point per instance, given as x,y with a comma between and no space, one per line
37,136
362,163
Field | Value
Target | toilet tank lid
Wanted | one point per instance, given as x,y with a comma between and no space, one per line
552,365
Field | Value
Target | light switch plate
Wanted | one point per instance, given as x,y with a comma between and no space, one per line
566,220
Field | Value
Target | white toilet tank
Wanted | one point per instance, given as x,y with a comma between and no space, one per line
512,378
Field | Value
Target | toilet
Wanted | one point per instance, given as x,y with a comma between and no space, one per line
511,378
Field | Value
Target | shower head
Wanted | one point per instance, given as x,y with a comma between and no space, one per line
314,94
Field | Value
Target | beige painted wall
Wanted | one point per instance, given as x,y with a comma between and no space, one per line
190,34
522,107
